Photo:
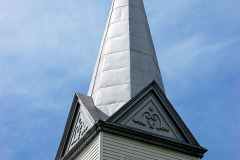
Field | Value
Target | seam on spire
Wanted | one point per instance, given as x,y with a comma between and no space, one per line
124,84
112,104
126,67
108,24
121,85
127,35
129,5
131,19
140,52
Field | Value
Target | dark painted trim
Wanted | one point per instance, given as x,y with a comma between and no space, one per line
63,144
154,88
82,143
132,134
153,139
111,127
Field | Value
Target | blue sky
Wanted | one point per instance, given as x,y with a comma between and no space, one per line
48,50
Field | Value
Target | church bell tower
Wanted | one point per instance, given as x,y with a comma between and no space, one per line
126,114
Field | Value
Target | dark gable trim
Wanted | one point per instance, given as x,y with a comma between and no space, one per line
153,88
82,143
111,126
153,139
175,114
67,129
132,134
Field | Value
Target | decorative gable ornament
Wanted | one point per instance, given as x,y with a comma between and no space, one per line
151,112
121,100
148,117
80,127
82,117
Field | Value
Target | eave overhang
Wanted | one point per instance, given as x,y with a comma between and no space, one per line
133,134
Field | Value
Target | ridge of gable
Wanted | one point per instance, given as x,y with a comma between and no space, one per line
150,111
82,117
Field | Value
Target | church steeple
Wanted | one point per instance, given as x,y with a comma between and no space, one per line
126,114
127,59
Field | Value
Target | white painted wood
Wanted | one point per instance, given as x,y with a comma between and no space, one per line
91,152
101,134
120,148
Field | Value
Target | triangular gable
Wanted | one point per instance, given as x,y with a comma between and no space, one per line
80,126
151,112
83,115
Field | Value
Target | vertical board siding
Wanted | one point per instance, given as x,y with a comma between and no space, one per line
118,148
91,152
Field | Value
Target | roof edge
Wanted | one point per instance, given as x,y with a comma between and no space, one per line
155,88
132,134
67,128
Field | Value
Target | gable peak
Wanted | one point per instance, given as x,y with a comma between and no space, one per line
151,112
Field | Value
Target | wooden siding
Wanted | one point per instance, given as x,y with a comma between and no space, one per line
91,152
121,148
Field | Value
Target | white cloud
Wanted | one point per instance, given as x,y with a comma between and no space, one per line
192,59
42,38
45,45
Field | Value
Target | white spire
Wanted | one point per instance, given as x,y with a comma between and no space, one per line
127,60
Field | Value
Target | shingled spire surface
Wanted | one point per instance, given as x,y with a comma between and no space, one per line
127,59
126,100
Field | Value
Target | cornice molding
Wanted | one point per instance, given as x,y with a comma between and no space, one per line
132,134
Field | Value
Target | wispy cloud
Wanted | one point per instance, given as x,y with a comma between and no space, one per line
48,50
203,82
41,38
193,58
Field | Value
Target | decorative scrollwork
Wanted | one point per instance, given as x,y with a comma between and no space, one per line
153,121
78,130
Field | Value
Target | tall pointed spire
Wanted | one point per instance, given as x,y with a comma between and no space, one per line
127,60
126,64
